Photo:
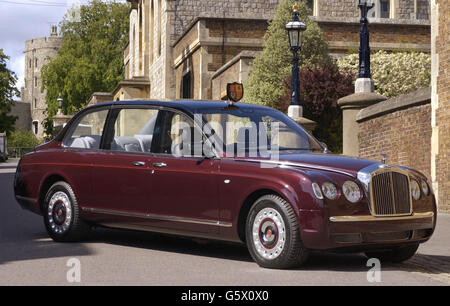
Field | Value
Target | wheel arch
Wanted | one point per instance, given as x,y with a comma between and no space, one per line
248,203
45,186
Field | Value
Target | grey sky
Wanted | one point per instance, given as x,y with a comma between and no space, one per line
21,20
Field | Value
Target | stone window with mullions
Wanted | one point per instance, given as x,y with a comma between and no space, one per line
382,9
313,6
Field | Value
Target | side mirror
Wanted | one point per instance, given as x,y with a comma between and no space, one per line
326,147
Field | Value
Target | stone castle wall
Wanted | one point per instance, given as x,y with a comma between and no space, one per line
186,11
343,37
22,111
176,18
403,9
161,73
209,45
179,15
342,8
36,53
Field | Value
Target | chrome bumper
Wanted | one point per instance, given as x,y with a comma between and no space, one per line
414,216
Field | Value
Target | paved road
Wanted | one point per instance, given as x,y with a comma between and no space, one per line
112,257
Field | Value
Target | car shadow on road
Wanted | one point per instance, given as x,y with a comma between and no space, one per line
169,243
342,262
40,248
8,166
230,251
358,262
22,234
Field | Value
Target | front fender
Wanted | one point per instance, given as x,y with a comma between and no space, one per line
238,190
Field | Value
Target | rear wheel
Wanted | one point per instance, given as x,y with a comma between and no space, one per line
273,234
395,255
62,214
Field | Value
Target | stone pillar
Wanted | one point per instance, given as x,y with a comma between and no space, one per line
351,105
60,119
296,113
440,103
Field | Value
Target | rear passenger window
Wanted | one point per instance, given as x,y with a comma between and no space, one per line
87,132
134,129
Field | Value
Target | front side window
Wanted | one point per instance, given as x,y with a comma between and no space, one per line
178,136
86,133
134,130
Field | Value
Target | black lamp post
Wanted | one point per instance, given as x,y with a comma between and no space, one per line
295,29
364,49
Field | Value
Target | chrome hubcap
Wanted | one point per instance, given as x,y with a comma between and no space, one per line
59,212
269,233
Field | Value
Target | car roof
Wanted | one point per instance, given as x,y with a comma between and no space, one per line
189,106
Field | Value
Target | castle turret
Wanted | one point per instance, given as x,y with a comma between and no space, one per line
36,52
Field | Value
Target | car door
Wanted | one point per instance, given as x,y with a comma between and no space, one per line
184,184
80,143
121,171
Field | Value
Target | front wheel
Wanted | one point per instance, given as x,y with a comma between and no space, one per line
273,234
62,214
395,255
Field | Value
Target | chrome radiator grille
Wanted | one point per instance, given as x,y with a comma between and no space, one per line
390,193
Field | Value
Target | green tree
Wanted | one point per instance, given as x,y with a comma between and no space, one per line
266,82
90,58
8,91
23,139
320,103
394,73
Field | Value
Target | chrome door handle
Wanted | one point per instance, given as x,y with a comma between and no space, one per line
139,164
159,165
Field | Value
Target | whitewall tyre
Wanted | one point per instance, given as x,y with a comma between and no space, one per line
273,234
62,214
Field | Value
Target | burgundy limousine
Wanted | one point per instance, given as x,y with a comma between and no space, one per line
233,172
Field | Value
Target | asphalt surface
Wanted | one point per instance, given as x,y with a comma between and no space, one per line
114,257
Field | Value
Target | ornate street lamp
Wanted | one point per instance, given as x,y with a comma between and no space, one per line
364,49
60,102
295,29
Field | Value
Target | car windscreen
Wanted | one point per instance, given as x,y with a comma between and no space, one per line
256,131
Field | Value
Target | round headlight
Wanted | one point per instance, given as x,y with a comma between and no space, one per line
425,188
351,191
317,191
329,190
415,190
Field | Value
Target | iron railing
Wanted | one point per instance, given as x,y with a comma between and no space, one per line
18,152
